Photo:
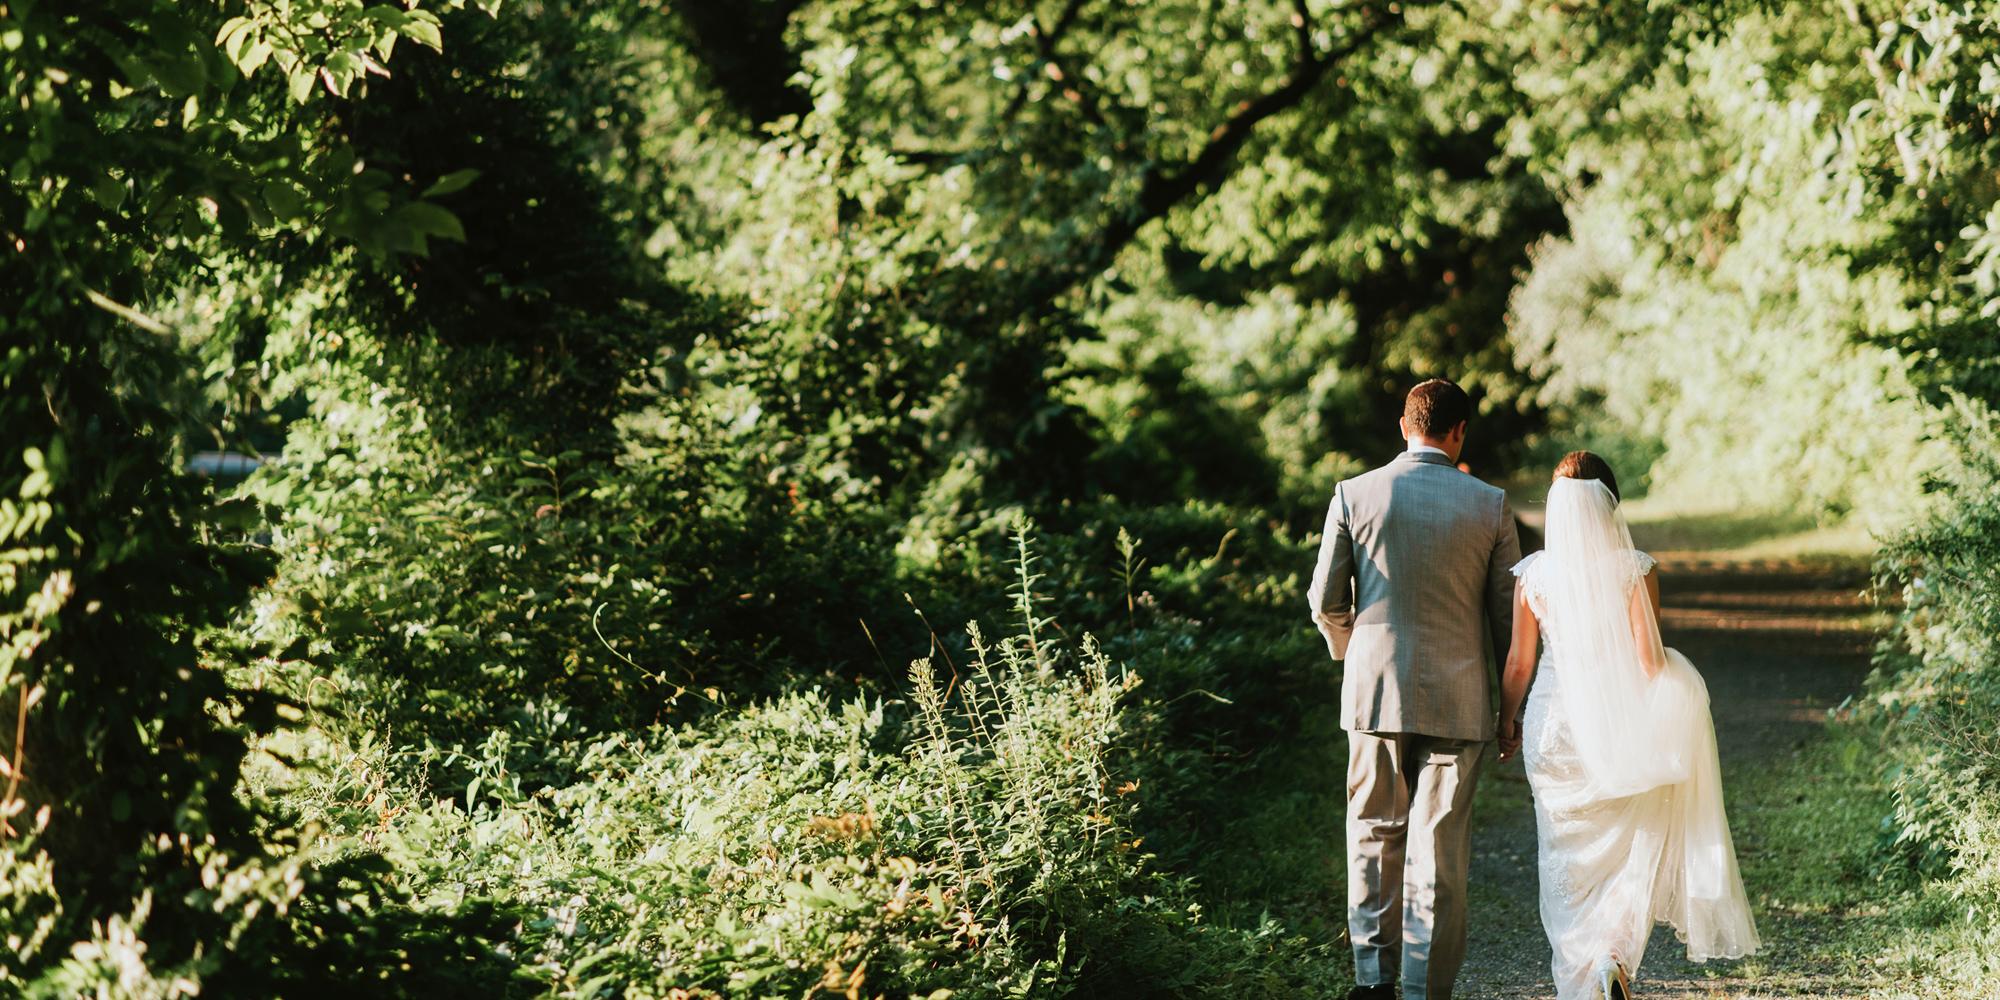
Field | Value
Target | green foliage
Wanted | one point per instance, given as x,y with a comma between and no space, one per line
106,570
1932,66
1718,292
1931,704
968,838
517,477
1937,687
1199,400
633,365
138,156
435,590
969,261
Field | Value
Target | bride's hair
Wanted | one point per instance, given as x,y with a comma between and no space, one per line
1587,465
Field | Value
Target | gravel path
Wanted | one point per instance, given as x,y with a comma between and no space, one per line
1779,644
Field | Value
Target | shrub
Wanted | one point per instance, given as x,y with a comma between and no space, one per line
973,836
435,588
1933,698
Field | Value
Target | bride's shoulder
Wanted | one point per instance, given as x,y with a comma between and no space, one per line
1641,564
1526,564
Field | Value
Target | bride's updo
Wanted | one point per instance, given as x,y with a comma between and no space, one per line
1587,465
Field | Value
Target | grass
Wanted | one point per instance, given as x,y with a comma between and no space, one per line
1808,827
1842,916
1837,920
1722,534
1284,852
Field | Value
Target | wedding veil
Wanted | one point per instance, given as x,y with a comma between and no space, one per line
1635,733
1629,730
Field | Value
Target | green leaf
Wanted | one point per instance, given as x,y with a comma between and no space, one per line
181,74
422,28
393,239
341,68
253,57
283,199
109,191
457,180
430,220
234,32
600,985
388,17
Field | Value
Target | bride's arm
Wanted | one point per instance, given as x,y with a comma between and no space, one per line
1519,671
1645,613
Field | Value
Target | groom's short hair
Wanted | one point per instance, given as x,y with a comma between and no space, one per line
1436,406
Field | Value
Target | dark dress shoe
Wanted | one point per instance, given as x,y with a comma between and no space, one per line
1382,992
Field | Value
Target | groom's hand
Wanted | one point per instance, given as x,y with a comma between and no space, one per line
1510,738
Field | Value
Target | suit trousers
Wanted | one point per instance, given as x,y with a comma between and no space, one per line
1409,844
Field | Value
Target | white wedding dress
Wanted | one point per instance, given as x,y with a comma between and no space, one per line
1627,786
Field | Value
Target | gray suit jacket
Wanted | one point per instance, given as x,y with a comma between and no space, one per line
1412,585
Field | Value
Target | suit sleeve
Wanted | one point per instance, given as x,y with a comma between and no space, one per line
1332,593
1500,581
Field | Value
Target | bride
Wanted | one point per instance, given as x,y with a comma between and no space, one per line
1620,752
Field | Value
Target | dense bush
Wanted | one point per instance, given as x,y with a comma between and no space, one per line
509,478
1932,701
1937,683
971,836
132,866
1194,399
433,588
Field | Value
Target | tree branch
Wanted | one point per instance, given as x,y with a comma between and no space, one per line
1160,191
1050,61
1161,188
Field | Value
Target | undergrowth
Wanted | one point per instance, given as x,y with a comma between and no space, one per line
992,828
1931,706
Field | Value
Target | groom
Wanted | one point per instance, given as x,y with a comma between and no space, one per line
1411,586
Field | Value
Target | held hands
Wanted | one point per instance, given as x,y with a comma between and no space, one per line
1510,737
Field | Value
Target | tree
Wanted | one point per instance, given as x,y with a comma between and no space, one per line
153,142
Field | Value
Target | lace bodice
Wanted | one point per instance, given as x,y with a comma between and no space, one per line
1533,569
1532,572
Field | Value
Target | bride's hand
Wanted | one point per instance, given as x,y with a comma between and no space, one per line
1510,738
